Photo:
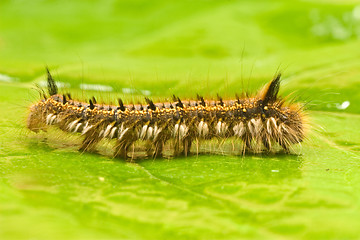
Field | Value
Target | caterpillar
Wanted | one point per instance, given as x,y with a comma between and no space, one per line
264,122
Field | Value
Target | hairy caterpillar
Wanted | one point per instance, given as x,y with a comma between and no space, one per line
261,122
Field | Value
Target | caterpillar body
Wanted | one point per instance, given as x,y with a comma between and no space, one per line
261,122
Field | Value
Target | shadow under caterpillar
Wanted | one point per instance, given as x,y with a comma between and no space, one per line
261,122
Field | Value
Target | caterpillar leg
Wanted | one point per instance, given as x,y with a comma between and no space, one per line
149,149
284,146
176,148
186,146
158,149
266,143
90,141
160,138
247,143
155,150
126,139
121,150
182,148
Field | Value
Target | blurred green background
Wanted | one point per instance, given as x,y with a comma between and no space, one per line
132,49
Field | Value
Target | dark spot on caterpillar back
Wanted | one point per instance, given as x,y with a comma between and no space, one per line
272,91
151,104
178,102
64,99
201,99
121,104
52,88
91,106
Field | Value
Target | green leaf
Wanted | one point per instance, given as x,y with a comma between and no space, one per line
50,190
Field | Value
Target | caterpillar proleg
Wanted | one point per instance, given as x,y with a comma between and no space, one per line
262,123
